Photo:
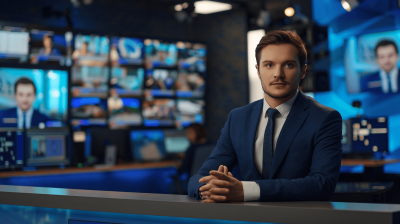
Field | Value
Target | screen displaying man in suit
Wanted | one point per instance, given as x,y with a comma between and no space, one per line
287,145
386,79
24,115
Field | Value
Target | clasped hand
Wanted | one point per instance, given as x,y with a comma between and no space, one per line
221,186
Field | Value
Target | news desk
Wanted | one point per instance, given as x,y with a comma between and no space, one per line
28,204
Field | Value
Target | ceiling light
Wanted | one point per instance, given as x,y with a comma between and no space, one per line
349,5
178,7
289,11
207,7
185,5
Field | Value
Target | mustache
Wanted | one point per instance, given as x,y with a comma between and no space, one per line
278,82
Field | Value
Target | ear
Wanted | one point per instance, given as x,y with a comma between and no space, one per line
303,72
258,73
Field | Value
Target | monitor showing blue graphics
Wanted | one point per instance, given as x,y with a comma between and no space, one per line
190,84
176,141
160,82
91,50
87,111
90,81
158,112
126,51
148,145
126,82
124,112
33,98
192,56
160,54
46,148
14,44
46,47
11,148
190,111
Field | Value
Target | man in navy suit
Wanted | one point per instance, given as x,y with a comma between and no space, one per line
287,145
386,79
24,115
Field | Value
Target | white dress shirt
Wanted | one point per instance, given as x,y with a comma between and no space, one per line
393,77
251,189
28,117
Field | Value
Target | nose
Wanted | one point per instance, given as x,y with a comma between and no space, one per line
278,73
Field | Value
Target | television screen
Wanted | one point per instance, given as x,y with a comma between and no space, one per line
160,82
88,81
46,47
372,63
160,54
192,56
14,44
88,111
158,112
12,148
124,112
126,82
33,98
189,111
126,51
369,135
147,145
190,84
47,148
91,50
176,141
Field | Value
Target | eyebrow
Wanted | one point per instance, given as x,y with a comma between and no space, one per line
293,61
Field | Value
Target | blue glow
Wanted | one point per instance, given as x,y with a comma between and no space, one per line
152,123
77,102
135,103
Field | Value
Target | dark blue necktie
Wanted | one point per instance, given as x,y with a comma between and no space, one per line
268,143
23,120
388,78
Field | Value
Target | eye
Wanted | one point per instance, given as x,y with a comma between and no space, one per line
268,65
289,65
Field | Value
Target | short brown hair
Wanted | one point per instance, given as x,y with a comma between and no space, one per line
200,130
278,37
384,43
24,81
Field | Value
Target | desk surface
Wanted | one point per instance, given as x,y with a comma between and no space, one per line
90,169
183,206
368,162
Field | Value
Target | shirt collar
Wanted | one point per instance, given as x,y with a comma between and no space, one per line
392,72
27,113
284,108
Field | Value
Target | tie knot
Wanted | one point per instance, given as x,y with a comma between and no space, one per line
272,112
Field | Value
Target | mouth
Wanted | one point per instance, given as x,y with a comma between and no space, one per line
278,84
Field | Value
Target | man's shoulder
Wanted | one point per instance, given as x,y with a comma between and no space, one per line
371,77
248,108
8,112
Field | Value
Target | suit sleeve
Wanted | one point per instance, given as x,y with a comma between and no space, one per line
222,154
320,183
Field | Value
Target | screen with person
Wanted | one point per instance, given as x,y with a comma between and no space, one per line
158,112
91,50
47,148
190,84
89,81
160,54
88,111
126,50
12,148
124,112
192,56
147,145
33,98
372,63
160,82
189,111
46,47
14,44
126,82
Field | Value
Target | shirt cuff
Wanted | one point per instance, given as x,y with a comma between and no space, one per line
251,191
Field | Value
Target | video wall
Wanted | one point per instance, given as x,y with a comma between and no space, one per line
79,79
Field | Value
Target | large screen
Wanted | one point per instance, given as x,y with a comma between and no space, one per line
12,148
14,44
126,51
91,50
159,112
124,112
89,81
147,145
33,98
160,54
46,47
126,82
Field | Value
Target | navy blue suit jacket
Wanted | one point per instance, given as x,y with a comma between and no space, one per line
374,77
37,118
307,158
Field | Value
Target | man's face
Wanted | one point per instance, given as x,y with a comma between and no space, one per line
47,42
25,95
387,57
279,70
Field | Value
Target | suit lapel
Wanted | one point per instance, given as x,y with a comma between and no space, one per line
251,130
293,123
